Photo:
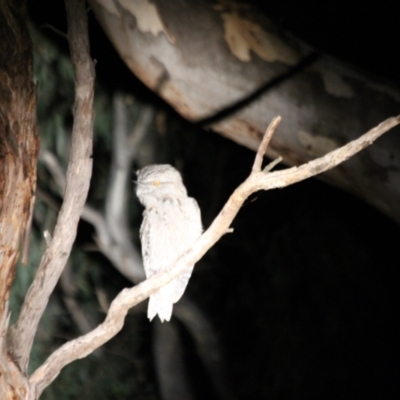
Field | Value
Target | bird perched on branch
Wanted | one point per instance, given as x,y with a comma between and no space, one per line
171,224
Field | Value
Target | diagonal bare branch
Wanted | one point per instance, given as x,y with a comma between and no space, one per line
77,186
258,180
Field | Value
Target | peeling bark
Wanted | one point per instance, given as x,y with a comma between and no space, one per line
78,176
19,145
204,57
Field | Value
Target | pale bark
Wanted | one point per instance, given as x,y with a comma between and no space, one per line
205,57
259,179
19,149
14,355
114,241
76,190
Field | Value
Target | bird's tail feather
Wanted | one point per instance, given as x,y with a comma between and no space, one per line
161,303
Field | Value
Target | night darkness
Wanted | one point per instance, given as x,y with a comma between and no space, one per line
304,293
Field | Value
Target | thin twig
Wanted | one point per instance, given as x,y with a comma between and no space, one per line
112,231
54,29
114,245
77,186
52,164
128,298
264,144
272,164
127,262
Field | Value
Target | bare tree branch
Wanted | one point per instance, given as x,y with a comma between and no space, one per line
258,180
114,241
305,88
112,233
77,186
264,144
54,167
125,145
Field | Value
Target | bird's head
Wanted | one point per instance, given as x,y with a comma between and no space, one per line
157,182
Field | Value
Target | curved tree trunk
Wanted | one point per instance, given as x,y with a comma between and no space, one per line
19,146
204,57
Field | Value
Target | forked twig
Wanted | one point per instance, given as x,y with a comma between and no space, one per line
262,148
258,180
76,189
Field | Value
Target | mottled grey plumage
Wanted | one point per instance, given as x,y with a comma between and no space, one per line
171,224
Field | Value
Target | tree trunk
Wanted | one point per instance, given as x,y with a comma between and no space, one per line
204,57
19,146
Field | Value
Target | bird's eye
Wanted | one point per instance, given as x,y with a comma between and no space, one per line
156,183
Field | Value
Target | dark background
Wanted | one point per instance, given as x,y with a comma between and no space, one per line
304,293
